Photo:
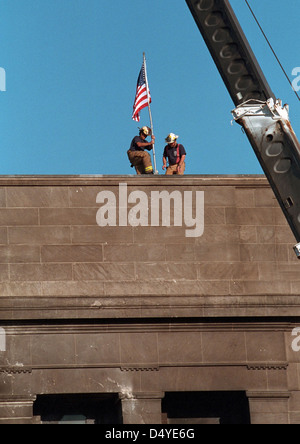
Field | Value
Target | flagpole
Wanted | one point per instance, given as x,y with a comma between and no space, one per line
150,114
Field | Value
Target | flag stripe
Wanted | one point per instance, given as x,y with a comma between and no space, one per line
141,97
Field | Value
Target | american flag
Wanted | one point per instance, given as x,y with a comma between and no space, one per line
141,97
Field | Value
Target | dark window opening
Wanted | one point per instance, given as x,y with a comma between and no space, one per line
79,409
206,408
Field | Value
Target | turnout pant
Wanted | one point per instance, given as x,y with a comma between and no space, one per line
141,160
173,169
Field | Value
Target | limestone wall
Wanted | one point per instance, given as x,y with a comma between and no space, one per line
57,261
138,308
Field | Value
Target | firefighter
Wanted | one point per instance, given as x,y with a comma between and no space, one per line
176,154
140,159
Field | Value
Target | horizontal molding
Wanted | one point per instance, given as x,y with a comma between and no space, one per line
92,180
145,367
175,326
268,395
150,306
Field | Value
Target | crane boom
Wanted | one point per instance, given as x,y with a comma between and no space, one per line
265,121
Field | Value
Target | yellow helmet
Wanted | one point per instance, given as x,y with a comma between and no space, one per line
146,130
171,138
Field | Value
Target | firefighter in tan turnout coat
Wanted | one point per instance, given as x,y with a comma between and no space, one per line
137,155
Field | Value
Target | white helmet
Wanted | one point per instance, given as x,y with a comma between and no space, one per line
171,138
146,130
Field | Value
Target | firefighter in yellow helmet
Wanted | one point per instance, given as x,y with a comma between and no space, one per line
138,158
175,153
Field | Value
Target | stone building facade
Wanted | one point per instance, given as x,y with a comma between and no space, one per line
187,317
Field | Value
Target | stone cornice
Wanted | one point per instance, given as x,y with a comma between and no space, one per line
145,367
154,306
175,326
101,180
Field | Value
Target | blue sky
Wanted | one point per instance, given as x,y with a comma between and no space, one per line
71,70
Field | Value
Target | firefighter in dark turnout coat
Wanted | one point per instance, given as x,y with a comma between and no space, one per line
175,153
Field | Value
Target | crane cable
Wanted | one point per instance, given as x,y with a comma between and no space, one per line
267,40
